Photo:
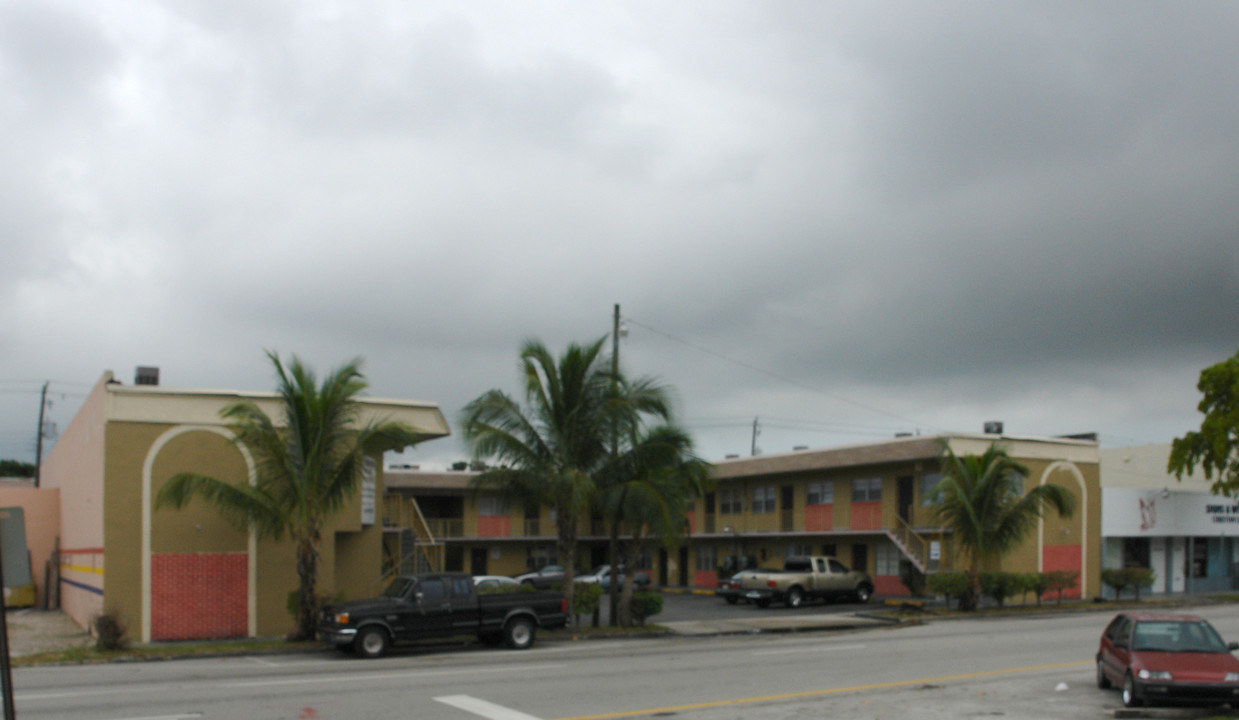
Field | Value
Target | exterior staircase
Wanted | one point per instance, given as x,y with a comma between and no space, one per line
916,548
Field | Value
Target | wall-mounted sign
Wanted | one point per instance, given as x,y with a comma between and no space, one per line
369,486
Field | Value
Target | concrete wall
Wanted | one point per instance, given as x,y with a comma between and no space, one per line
75,467
42,511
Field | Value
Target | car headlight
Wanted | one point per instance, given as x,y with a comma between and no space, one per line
342,618
1231,677
1154,675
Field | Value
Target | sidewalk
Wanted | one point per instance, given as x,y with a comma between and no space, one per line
792,623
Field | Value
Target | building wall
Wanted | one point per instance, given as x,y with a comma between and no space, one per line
42,511
75,467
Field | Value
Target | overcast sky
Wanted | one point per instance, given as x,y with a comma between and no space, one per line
846,220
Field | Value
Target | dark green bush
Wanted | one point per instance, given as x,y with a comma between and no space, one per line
646,604
1131,577
1060,580
949,584
110,632
585,597
1001,585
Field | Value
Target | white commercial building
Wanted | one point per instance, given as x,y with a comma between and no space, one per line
1185,533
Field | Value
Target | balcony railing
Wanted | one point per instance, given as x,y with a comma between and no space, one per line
446,527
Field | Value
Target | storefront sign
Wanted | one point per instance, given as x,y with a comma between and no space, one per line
1155,513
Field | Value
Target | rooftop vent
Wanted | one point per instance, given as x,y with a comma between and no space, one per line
732,456
993,427
146,376
903,434
800,447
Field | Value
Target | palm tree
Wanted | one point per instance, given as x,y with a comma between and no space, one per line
547,452
982,499
305,470
651,489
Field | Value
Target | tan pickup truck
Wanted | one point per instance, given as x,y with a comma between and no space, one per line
805,578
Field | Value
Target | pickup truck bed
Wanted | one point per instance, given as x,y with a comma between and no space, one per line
418,607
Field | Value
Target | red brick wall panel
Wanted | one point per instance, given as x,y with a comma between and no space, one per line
705,579
197,596
867,515
889,586
1062,557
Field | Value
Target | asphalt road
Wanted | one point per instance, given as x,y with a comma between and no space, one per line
1017,668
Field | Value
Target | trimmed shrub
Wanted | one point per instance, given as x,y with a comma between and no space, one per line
109,632
1060,580
1130,577
646,604
1001,585
585,598
950,584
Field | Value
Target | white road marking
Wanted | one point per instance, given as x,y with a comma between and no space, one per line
355,677
483,708
185,716
814,648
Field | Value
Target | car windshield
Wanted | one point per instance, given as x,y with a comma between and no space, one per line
396,588
1177,636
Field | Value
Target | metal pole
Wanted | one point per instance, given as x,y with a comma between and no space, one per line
6,670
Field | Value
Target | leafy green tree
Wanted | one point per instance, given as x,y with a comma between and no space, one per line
16,468
1215,448
548,451
308,464
982,499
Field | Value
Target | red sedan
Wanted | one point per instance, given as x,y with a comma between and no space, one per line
1167,658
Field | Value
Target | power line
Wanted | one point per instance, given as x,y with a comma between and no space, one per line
776,376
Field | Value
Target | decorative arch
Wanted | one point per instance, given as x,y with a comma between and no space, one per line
1071,469
147,508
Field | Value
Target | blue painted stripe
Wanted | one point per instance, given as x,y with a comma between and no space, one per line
84,586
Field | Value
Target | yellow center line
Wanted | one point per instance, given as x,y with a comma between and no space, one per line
813,693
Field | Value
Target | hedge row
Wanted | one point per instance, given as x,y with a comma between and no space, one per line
1003,585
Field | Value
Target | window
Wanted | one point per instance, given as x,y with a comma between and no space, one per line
798,550
929,482
730,502
492,505
887,559
829,549
763,499
820,493
838,567
539,557
707,559
1136,552
866,489
431,591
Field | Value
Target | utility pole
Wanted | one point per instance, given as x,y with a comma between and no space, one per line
756,432
38,451
6,670
613,550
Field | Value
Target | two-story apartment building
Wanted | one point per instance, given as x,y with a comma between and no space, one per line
868,504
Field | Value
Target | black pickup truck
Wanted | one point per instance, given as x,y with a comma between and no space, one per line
417,607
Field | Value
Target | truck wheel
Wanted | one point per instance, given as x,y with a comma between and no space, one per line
795,598
763,603
519,633
371,642
863,593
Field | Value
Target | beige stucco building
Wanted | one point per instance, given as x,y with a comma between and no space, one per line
179,574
